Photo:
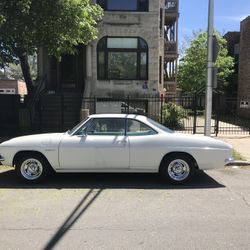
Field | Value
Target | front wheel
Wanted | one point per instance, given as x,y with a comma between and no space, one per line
32,168
177,168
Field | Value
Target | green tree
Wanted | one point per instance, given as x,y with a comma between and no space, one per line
57,25
193,66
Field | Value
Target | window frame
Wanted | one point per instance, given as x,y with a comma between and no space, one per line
139,51
87,123
126,128
105,7
91,121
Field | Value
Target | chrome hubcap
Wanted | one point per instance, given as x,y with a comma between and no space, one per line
31,169
178,170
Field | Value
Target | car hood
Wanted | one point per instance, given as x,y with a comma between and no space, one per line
38,139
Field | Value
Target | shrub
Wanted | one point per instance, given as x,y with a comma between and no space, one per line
172,115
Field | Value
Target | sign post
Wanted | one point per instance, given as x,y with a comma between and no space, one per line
210,64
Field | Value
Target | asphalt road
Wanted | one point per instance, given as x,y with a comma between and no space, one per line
123,211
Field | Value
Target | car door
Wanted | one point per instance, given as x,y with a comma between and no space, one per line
144,149
101,145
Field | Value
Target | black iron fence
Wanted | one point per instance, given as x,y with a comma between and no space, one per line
183,113
9,114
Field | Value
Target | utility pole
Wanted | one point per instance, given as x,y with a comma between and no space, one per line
210,64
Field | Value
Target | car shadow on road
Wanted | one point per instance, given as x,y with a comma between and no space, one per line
8,179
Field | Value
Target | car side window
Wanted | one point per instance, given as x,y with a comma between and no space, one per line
106,126
137,128
82,129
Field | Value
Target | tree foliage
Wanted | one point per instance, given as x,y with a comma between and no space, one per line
193,67
57,25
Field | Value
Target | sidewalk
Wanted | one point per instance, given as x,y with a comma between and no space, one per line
240,143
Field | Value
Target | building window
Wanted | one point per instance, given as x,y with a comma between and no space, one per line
122,58
122,5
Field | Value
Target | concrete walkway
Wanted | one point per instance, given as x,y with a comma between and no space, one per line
240,143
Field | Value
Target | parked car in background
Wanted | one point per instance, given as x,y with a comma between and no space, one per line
115,143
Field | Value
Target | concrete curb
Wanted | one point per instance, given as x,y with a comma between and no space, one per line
238,163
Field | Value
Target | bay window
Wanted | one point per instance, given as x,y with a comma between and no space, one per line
122,58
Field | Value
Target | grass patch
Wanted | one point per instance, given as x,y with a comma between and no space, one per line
5,168
238,156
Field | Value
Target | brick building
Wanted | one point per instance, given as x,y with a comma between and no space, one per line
239,49
244,69
233,47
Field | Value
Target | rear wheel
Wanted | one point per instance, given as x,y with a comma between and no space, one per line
177,168
32,168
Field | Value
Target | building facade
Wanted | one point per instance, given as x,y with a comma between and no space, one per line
127,58
239,48
134,56
244,69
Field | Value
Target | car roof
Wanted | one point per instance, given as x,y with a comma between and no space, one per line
131,116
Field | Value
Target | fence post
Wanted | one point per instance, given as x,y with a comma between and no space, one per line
217,117
127,104
40,112
161,100
95,100
195,112
62,111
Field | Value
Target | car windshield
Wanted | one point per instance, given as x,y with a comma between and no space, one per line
160,126
78,125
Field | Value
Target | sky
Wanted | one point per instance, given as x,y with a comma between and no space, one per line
227,17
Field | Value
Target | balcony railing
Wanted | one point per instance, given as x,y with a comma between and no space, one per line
171,6
170,47
171,79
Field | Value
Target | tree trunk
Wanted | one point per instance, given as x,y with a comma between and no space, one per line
23,57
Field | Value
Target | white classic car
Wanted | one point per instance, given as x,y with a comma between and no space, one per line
115,143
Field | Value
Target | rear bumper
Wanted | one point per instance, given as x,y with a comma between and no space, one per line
1,159
229,161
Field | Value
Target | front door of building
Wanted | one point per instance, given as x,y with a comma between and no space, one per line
72,71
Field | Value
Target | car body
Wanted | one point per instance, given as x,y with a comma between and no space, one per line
115,143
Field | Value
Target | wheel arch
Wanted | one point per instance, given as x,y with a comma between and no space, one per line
179,153
29,152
